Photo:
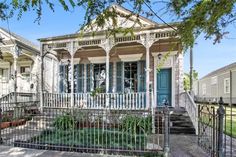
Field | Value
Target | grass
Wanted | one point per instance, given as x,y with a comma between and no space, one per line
228,122
92,137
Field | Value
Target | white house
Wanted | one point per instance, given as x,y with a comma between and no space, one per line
18,64
121,67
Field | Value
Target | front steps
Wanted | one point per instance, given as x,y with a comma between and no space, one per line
180,122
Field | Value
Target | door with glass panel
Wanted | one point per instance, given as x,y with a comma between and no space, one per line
130,77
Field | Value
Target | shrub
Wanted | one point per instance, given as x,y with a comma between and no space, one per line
136,124
64,122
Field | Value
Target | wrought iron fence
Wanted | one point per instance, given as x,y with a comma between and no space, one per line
209,129
82,130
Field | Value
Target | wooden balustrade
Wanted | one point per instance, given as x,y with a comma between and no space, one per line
117,101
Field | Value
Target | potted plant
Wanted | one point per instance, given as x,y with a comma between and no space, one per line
5,122
18,121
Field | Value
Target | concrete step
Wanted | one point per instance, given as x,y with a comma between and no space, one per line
180,122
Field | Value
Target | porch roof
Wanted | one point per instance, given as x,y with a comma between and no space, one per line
21,41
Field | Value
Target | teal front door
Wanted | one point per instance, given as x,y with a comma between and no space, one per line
163,86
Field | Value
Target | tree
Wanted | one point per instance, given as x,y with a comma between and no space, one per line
210,17
197,16
187,80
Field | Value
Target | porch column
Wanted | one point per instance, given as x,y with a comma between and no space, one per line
107,78
15,73
72,74
41,78
147,46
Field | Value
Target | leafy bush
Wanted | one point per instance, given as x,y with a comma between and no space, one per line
6,119
64,122
136,124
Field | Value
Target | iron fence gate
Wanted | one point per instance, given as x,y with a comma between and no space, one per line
210,127
130,132
207,129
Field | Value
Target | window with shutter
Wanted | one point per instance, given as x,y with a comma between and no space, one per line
130,77
4,74
79,78
62,79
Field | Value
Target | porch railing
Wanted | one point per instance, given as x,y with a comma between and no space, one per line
98,101
188,103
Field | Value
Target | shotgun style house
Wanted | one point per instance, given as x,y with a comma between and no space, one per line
217,84
18,64
138,70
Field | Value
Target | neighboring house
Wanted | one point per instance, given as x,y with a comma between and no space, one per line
18,56
217,84
119,65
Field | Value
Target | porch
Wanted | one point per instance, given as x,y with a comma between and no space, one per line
18,64
116,101
122,73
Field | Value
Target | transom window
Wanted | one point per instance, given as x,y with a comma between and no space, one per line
100,76
130,77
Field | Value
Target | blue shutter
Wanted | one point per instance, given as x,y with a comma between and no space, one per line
119,76
62,78
110,77
80,78
89,77
141,76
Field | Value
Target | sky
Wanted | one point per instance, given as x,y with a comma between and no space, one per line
207,56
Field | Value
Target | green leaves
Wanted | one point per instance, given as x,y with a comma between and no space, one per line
136,124
64,122
203,16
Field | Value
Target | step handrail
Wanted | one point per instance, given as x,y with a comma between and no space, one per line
191,108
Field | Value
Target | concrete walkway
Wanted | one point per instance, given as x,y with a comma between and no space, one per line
185,146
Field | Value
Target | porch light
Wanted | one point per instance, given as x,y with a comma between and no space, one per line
159,56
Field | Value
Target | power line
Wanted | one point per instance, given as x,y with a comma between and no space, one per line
160,17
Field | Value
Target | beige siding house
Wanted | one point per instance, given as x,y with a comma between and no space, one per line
217,84
123,68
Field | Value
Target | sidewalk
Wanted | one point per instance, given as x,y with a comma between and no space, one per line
185,146
7,151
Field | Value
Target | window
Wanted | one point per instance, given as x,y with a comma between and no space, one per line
25,70
4,74
130,77
100,76
204,89
227,86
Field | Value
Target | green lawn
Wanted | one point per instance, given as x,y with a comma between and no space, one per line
228,121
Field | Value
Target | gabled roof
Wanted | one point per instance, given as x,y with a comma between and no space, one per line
123,21
221,70
20,39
